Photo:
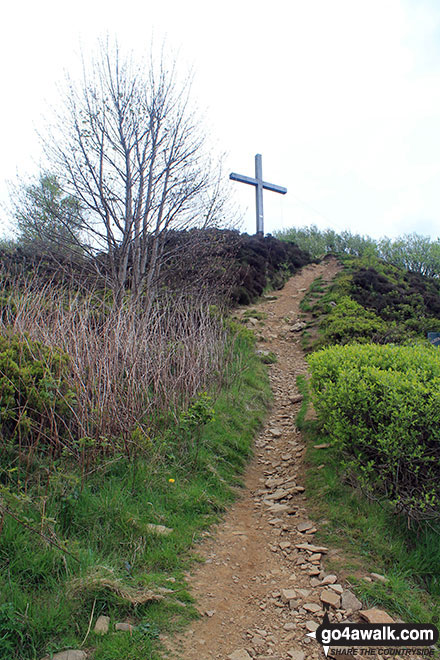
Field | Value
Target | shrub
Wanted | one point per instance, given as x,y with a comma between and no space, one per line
348,321
230,266
412,252
127,366
380,405
35,401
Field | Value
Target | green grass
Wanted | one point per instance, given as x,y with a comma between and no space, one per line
47,597
270,358
372,538
255,314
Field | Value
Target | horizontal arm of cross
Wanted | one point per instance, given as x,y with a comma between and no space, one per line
254,182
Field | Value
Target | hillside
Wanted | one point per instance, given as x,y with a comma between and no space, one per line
101,511
307,536
125,427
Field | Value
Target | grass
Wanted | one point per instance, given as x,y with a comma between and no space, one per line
255,314
269,358
117,565
372,538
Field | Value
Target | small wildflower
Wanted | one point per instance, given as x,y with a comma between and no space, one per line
171,481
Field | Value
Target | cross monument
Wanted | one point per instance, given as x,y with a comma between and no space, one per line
259,185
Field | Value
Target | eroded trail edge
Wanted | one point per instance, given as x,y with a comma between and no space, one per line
259,593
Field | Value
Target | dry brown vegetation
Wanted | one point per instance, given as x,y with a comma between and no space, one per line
126,367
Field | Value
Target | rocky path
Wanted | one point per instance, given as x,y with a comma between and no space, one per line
264,585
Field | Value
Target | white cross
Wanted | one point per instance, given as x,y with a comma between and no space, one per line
259,185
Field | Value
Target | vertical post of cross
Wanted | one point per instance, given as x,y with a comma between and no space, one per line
260,185
259,194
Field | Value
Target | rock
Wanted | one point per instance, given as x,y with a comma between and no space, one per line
338,588
330,598
276,507
298,326
288,594
278,494
239,654
314,582
209,613
315,559
297,398
312,607
289,626
284,545
159,529
273,481
312,626
311,548
124,627
379,578
329,579
276,432
350,602
324,445
296,654
67,655
304,526
102,625
258,642
376,616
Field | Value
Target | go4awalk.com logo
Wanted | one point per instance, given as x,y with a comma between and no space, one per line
367,639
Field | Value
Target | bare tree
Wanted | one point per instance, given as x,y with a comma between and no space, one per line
130,149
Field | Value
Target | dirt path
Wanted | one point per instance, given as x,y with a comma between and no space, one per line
244,587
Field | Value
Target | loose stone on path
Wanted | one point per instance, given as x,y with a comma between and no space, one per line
239,654
350,602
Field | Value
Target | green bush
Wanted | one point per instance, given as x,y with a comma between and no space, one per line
35,402
348,321
380,406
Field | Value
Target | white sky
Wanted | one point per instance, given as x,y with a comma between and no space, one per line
341,97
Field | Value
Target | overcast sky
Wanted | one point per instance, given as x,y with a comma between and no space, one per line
341,97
